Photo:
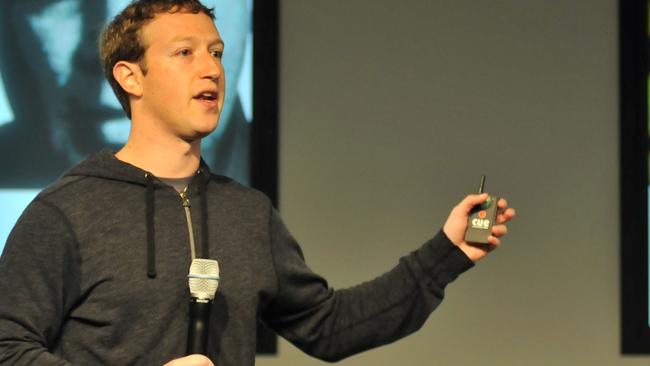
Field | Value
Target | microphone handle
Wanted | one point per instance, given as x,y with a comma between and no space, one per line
197,333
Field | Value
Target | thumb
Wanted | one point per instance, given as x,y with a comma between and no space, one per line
467,204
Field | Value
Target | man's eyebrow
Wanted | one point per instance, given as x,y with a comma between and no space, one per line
216,41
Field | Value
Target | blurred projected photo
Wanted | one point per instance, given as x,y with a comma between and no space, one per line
56,107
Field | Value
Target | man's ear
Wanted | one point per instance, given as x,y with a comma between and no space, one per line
129,76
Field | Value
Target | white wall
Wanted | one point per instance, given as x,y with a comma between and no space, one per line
391,110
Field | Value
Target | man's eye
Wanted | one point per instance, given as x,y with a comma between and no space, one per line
185,52
217,54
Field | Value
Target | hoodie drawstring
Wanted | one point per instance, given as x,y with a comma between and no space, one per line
151,243
203,192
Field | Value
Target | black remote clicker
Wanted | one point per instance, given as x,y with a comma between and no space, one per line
481,218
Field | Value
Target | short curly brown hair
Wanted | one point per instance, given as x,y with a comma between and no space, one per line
121,40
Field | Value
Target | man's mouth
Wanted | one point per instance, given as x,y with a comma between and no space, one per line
208,98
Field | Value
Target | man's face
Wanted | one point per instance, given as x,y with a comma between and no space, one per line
184,86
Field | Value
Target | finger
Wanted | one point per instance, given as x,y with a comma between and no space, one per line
502,203
467,204
494,242
506,216
499,230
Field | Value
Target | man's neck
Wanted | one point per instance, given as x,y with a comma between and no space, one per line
167,159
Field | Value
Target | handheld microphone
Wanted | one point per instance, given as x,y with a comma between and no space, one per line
203,282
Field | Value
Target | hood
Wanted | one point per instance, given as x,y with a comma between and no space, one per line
105,165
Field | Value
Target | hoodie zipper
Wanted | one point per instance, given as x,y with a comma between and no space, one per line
188,216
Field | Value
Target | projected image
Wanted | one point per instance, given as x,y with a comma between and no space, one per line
56,107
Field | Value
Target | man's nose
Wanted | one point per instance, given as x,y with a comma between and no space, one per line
211,67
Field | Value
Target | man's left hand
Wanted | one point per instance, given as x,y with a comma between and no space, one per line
456,226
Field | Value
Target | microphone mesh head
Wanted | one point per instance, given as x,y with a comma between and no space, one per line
204,278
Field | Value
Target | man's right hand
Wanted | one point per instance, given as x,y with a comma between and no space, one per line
191,360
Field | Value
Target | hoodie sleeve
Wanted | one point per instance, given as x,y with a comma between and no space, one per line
334,324
39,276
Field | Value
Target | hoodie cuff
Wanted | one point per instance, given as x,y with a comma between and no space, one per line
441,260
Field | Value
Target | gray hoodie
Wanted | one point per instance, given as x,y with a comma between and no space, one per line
95,272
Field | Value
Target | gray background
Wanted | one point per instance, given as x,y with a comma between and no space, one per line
389,113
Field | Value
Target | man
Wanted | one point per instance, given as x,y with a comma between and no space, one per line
98,261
